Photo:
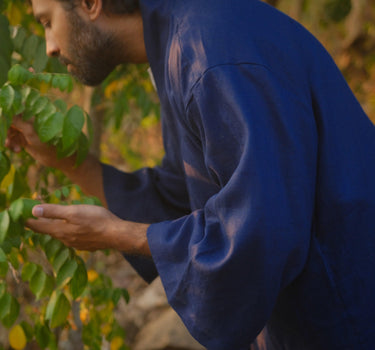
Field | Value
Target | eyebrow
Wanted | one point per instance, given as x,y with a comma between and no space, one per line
39,16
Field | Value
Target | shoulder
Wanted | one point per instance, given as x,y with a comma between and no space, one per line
211,33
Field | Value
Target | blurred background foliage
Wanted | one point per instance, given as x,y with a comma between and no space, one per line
347,30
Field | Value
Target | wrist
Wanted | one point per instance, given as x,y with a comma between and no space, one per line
129,237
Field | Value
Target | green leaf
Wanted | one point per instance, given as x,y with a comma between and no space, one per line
48,287
57,309
7,45
48,110
3,199
5,302
73,123
66,272
61,105
116,295
60,259
41,57
337,10
4,225
18,187
4,68
4,165
52,247
19,39
30,46
83,149
28,205
7,98
32,96
51,127
42,335
65,191
3,257
79,280
15,209
37,282
25,91
13,238
38,106
44,239
62,152
3,270
3,131
28,329
13,258
31,99
21,208
28,271
13,313
62,82
19,75
18,107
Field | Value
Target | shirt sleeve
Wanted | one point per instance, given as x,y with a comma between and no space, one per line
224,265
145,196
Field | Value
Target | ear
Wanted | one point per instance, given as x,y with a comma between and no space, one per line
92,8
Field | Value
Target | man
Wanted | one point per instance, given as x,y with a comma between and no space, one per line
262,213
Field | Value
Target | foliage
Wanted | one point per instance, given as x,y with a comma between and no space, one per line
41,280
347,30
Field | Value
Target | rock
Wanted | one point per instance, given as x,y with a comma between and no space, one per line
166,332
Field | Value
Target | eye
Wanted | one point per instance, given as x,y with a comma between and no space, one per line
46,24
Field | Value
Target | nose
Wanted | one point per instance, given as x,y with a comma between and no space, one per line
52,48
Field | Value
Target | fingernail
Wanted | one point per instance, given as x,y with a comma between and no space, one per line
38,211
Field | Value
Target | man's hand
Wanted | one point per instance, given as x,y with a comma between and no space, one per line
88,175
89,227
21,134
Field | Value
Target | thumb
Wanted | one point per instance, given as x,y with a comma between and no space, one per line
38,211
51,211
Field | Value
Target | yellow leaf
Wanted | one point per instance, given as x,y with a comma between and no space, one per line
8,179
106,329
14,15
110,89
20,259
92,275
116,343
17,338
44,87
84,315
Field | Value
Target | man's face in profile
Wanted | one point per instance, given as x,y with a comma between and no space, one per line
88,52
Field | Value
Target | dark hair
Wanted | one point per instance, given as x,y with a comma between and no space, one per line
109,6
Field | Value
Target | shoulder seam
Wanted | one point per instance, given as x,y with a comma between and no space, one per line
220,65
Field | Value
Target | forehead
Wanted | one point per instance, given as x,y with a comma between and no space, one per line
43,7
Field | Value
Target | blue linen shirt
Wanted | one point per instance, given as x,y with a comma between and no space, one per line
263,211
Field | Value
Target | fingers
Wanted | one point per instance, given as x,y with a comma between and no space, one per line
47,226
53,211
20,134
59,229
25,127
15,140
76,214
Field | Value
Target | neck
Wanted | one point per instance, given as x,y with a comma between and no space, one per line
128,31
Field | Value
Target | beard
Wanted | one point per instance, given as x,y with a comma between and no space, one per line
91,54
